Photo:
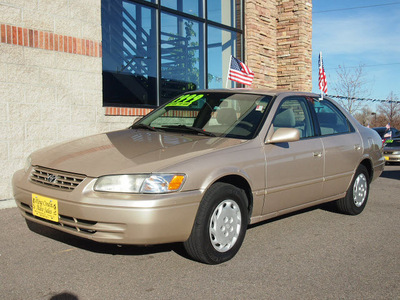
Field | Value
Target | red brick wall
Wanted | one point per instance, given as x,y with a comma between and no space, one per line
48,41
126,111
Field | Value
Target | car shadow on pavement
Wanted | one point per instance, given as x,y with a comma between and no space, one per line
64,296
328,207
288,215
104,248
391,174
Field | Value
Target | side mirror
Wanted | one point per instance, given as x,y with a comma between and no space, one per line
284,135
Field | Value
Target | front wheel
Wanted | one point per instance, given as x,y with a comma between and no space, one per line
220,225
357,195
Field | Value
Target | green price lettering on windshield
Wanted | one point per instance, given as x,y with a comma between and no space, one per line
185,100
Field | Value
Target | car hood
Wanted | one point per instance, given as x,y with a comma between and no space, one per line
127,151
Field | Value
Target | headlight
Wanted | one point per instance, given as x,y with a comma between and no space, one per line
120,183
163,183
147,183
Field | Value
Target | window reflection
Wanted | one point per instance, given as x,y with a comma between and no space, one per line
226,12
221,45
129,54
193,7
154,50
181,56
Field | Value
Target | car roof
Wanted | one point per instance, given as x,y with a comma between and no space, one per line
383,128
380,130
266,92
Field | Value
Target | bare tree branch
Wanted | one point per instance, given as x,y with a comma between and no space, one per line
391,110
351,83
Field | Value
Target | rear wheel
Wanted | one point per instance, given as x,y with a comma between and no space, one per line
220,225
357,195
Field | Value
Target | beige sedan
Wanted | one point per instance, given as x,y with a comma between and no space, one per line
202,167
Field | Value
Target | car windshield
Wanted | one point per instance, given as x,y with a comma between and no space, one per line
392,143
232,115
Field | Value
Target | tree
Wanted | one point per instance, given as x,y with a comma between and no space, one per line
351,84
366,116
390,110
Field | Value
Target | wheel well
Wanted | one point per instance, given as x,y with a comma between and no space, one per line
241,183
368,165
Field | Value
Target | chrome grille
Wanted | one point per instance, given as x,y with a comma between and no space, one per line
56,179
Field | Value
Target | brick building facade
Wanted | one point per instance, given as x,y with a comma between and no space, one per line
51,84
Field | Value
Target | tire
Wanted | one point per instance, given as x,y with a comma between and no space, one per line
357,195
220,225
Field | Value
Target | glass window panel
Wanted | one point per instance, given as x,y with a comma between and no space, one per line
193,7
212,113
294,113
129,54
181,56
227,12
331,120
221,45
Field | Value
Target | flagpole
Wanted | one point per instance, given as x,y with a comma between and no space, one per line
320,65
227,74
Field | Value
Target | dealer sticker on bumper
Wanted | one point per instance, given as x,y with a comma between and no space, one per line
45,208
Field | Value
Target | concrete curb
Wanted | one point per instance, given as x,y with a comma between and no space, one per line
7,203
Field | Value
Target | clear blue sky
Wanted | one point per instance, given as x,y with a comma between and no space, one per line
354,32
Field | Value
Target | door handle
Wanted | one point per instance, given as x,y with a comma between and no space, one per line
357,147
317,154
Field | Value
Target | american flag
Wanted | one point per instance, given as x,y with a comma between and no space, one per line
239,72
323,86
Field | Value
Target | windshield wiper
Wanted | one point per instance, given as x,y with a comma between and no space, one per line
191,129
144,126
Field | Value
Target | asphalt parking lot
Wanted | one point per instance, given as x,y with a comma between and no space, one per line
314,254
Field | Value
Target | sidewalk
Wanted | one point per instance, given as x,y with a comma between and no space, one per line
7,203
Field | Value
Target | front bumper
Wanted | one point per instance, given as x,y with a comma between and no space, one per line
135,219
392,158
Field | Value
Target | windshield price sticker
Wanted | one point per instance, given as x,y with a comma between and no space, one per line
186,100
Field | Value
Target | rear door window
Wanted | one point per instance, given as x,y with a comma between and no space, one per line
331,120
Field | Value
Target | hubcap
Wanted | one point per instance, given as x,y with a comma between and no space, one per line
360,188
225,225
